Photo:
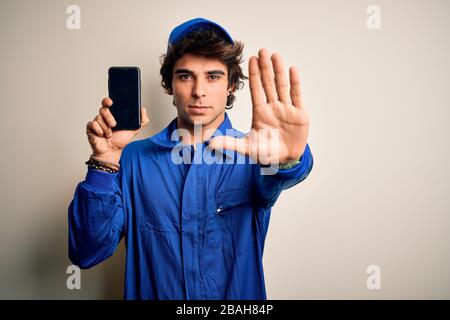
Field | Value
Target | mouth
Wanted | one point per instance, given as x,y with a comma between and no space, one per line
198,107
198,110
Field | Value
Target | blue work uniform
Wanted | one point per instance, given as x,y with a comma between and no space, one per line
193,229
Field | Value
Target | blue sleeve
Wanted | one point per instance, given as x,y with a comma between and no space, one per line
269,186
96,218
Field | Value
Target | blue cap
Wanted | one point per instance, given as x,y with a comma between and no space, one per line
196,24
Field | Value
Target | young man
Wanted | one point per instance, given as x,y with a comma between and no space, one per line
194,229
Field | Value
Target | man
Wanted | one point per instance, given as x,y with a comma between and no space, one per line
194,229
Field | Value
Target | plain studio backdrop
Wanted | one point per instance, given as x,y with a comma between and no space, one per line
376,199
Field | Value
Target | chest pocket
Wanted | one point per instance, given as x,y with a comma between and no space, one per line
234,218
230,202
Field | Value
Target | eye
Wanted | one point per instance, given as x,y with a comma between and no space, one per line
215,77
184,76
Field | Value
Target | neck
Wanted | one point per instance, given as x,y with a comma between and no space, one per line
203,131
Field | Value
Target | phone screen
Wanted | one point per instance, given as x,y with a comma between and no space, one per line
124,86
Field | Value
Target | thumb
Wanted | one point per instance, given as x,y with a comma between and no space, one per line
144,117
230,143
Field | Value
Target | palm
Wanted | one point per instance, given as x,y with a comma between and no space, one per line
117,141
280,123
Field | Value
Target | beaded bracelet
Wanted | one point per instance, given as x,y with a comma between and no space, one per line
101,168
108,164
102,165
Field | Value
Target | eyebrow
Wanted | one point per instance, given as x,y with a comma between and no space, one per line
192,72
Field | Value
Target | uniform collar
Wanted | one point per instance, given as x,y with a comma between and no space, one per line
163,138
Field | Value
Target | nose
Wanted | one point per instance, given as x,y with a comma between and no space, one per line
199,89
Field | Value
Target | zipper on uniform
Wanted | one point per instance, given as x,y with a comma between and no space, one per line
220,209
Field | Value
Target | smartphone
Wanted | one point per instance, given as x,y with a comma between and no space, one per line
124,87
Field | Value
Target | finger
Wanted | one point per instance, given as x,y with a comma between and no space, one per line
296,94
280,78
253,145
94,127
107,102
267,75
106,129
256,88
107,116
230,143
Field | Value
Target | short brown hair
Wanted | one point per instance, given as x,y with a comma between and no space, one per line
210,44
